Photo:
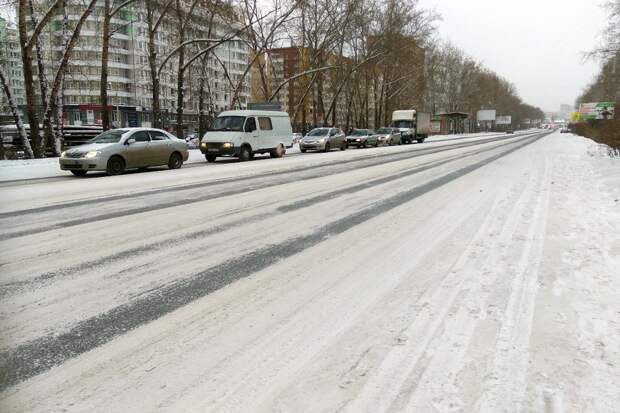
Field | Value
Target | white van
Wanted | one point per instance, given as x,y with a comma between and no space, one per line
243,133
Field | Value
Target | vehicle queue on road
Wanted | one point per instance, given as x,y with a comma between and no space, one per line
237,133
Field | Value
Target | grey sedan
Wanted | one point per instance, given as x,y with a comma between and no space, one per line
116,150
323,139
362,138
389,136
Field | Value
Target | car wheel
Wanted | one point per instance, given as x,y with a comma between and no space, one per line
210,158
245,154
420,140
175,161
364,145
327,147
302,150
79,173
116,166
343,147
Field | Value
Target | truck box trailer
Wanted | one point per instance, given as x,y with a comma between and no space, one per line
413,125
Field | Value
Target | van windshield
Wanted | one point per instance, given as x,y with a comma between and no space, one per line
402,124
228,123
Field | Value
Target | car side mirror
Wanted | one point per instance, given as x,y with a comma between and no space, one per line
130,141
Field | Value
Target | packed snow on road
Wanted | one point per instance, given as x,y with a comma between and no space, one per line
473,273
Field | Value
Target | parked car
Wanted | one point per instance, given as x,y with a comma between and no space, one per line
323,139
564,130
389,136
362,138
510,131
116,150
243,133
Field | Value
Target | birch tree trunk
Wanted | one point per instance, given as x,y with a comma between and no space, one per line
21,130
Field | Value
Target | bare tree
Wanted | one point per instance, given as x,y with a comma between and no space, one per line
17,118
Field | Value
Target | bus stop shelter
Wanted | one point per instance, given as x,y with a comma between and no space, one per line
451,123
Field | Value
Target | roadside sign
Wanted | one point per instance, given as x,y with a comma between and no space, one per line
597,110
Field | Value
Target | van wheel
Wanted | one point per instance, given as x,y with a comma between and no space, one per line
327,147
245,154
277,152
116,166
175,161
210,158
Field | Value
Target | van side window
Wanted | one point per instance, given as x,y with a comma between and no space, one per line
250,125
265,123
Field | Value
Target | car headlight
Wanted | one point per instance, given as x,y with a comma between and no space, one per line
322,140
92,154
227,145
62,155
357,140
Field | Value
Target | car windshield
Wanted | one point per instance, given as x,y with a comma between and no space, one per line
318,132
384,130
228,123
403,124
111,136
359,132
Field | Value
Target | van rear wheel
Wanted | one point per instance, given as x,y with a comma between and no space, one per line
277,152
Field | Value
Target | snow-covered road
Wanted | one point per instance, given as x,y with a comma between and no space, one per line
474,274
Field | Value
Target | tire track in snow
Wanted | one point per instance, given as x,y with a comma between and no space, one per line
40,355
505,384
385,385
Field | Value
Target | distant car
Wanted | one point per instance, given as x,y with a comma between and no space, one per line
388,136
362,138
193,141
510,131
323,139
116,150
565,130
297,137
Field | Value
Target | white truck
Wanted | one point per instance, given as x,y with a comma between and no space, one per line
413,125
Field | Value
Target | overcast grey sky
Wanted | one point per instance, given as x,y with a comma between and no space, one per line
536,44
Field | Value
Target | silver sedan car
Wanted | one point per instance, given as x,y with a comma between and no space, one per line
116,150
323,139
389,136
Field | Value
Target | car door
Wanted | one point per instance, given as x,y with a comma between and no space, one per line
138,153
266,138
341,138
251,132
160,147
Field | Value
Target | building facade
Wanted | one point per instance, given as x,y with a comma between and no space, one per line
130,86
11,64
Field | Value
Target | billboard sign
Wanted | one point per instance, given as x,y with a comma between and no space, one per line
597,110
486,115
504,120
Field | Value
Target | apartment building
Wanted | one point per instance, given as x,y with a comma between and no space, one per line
129,79
10,61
